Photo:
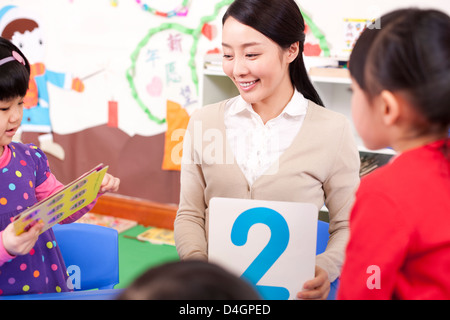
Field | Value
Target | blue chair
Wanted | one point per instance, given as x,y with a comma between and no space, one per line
322,240
92,251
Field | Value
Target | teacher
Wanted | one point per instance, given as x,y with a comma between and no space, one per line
275,141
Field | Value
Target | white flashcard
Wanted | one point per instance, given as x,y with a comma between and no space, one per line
272,244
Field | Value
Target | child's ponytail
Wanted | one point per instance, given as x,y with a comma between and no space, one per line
410,53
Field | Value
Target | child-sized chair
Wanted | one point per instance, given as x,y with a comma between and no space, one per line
322,240
91,255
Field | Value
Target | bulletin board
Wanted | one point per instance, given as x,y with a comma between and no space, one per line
114,76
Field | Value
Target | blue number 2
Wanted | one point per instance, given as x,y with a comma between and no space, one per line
277,244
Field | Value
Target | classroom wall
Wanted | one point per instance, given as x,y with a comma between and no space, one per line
329,14
136,67
133,65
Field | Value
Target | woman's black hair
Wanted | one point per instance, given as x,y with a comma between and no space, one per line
410,54
282,22
14,76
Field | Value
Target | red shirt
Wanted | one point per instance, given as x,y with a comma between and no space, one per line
399,245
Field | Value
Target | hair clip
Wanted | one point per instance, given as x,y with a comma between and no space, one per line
18,57
15,56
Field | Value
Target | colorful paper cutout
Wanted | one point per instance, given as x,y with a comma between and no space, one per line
72,198
313,33
155,87
25,30
195,33
209,31
177,119
113,114
180,11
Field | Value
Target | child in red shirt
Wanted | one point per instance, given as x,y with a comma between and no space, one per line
399,245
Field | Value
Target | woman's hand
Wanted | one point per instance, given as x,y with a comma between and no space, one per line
18,245
109,184
317,288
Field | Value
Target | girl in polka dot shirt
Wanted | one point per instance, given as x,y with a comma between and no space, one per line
29,263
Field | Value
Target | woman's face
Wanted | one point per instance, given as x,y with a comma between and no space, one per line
258,66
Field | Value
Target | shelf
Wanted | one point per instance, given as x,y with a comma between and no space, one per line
330,75
212,72
336,80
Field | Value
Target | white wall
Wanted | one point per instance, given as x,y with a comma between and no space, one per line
329,14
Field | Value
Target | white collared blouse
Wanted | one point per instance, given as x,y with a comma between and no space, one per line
257,146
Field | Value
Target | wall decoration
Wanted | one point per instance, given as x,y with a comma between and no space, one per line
316,43
23,29
174,40
352,30
138,82
180,42
180,11
177,121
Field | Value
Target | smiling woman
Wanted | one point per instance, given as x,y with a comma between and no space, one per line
286,146
259,68
282,24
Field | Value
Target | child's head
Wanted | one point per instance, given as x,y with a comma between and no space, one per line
408,56
282,22
189,280
14,71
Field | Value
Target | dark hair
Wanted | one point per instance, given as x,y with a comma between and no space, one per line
14,76
410,53
282,22
189,280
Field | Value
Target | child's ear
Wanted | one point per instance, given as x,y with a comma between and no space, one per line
390,108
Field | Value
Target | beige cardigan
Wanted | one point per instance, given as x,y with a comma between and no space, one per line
321,166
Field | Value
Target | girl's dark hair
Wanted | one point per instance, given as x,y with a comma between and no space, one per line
189,280
282,22
409,54
14,76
